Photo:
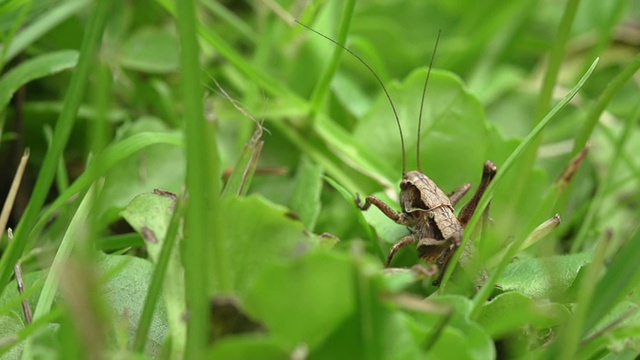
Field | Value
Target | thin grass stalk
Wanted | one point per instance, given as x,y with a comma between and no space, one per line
205,268
64,125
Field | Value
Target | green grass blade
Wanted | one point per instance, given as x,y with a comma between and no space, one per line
73,98
599,198
43,25
613,87
515,155
620,278
206,268
556,58
486,289
321,90
36,68
74,234
240,179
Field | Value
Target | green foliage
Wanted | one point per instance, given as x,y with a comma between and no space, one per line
181,227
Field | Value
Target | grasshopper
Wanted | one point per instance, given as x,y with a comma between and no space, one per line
426,210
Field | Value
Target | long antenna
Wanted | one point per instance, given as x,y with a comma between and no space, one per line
424,92
395,113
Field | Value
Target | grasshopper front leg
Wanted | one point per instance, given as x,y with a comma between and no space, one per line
397,217
407,240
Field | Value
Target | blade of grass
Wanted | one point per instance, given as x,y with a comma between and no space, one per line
570,335
73,234
41,66
331,164
73,98
613,87
14,302
484,293
262,78
556,58
622,274
62,178
21,8
206,268
43,25
245,167
599,198
232,19
13,191
321,90
484,201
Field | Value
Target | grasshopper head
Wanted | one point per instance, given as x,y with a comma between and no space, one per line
410,198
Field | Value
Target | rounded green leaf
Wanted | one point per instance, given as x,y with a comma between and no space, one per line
454,129
126,290
257,235
543,277
305,300
248,347
513,310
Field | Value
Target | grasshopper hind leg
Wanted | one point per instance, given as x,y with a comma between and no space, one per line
488,173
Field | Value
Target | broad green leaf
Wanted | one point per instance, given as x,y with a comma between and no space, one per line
513,310
248,347
35,68
462,338
302,301
454,130
159,166
548,277
126,290
151,215
10,301
151,50
376,329
10,324
454,343
258,234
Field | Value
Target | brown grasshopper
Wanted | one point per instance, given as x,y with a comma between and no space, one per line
426,209
429,214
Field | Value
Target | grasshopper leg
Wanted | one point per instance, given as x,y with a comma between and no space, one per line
456,195
488,174
407,240
397,217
